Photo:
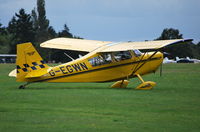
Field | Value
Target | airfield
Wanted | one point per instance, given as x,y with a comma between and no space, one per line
173,105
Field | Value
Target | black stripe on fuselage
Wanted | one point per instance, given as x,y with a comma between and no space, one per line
104,68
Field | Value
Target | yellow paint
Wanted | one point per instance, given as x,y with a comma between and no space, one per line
120,84
81,70
27,58
146,85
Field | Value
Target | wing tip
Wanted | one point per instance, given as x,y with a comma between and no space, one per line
188,40
182,41
177,42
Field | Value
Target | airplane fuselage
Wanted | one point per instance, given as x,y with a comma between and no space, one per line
103,67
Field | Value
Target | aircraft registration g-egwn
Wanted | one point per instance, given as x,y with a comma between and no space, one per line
105,62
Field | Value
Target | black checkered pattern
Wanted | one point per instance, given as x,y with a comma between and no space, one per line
33,66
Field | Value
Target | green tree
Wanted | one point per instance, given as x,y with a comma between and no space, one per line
197,47
21,28
180,50
43,30
65,32
170,33
52,33
2,30
5,40
42,21
34,18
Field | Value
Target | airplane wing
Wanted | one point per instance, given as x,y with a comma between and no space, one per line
90,45
124,46
73,44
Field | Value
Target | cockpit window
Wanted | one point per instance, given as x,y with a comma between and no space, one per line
107,58
137,52
122,55
104,58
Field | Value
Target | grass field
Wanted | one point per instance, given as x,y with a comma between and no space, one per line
173,105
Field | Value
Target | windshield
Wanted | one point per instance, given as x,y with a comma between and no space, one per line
137,52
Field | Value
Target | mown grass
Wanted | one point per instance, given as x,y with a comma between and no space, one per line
173,105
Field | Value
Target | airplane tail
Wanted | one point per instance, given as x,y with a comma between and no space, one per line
29,63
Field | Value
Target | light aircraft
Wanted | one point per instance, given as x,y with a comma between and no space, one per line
167,60
105,62
194,60
184,60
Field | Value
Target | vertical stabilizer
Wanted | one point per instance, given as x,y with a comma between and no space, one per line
28,60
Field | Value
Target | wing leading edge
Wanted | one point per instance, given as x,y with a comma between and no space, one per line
73,44
107,46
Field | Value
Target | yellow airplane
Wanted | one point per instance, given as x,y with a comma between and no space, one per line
105,62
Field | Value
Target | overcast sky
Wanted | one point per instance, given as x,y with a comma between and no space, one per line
115,20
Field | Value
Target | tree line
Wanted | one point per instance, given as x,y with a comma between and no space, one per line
181,50
35,28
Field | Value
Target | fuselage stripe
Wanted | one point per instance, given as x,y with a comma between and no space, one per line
157,58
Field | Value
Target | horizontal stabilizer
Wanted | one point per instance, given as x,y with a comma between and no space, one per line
35,74
13,73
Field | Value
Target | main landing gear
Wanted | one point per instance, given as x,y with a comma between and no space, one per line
143,86
120,84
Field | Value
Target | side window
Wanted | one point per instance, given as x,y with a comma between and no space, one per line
107,57
95,61
137,52
122,55
102,59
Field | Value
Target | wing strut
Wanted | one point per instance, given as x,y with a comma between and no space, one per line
145,85
138,63
138,67
69,56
